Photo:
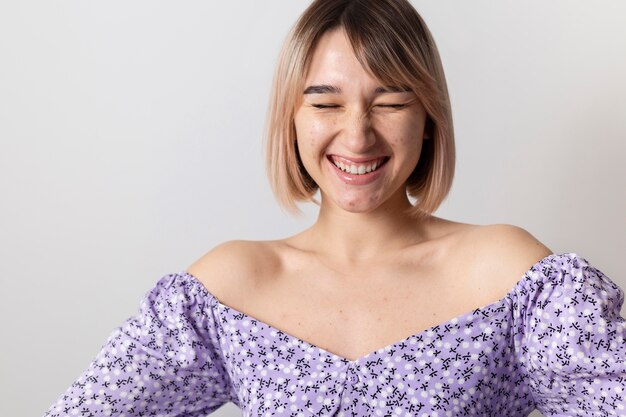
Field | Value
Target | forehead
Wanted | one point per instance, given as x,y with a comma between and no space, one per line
333,61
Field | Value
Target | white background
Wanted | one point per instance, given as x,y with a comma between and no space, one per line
130,144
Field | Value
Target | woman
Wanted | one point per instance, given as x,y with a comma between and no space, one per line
380,307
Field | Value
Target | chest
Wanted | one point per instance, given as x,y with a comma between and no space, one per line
352,315
464,358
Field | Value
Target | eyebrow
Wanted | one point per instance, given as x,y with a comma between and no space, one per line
322,89
331,89
393,89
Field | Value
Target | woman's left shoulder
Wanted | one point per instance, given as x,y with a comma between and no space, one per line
514,240
505,252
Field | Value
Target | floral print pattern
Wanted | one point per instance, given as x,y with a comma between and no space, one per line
555,342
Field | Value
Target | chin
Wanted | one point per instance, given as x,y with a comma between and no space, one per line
357,206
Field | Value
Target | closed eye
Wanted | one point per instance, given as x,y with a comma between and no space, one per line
324,106
393,106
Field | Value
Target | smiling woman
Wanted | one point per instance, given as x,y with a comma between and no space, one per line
347,122
380,307
364,62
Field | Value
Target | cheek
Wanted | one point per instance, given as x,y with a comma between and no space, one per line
402,133
314,131
405,137
321,126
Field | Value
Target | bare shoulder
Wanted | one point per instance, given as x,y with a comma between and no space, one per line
233,264
514,241
502,253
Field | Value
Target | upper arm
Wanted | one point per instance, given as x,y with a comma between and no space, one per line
163,360
571,338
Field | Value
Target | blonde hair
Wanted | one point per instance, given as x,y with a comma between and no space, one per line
393,43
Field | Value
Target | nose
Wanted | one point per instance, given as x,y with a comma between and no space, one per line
357,133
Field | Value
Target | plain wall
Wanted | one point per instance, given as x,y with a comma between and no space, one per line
130,144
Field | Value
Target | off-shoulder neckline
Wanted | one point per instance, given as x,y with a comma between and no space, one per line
214,301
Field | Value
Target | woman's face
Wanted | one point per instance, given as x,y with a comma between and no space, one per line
346,117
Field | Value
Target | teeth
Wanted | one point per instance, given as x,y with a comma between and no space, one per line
358,169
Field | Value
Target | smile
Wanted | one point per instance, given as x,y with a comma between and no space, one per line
355,168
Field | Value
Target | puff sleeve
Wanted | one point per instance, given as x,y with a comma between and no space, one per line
572,338
162,361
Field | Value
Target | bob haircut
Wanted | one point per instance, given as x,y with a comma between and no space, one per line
394,45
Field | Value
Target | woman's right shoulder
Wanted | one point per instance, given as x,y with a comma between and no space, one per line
233,263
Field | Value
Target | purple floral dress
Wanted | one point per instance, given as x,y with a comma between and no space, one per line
555,342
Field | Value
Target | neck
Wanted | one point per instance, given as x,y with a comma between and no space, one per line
357,239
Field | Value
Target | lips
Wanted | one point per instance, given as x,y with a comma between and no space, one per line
358,174
347,165
355,161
